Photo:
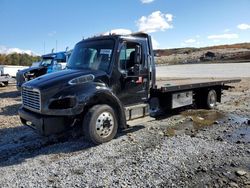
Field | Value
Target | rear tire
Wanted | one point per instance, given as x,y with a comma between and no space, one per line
206,99
211,99
100,124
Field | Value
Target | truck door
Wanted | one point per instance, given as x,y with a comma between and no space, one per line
134,74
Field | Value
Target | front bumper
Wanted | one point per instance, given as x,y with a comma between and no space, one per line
44,124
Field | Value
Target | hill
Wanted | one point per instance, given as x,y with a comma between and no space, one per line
212,54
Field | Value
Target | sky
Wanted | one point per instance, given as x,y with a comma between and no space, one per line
40,25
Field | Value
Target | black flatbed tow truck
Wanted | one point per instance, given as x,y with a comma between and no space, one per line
110,80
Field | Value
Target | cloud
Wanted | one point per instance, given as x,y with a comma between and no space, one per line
244,26
52,33
189,41
156,21
169,17
119,31
194,41
7,51
147,1
226,30
224,36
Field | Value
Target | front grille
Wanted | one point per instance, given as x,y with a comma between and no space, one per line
31,99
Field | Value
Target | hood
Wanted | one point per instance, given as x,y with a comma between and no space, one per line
61,78
23,71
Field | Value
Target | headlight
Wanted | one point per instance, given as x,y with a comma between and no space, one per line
65,103
82,79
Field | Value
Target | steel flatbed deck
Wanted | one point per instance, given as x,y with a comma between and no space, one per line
172,85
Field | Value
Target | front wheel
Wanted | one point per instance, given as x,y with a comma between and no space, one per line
100,124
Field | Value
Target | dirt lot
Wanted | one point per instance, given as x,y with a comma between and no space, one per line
189,148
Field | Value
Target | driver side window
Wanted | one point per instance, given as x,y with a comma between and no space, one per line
127,59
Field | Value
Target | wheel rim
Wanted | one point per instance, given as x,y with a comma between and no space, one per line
105,124
212,99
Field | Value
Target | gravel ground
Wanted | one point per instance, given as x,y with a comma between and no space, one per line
188,148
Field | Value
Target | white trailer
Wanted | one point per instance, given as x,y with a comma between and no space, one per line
4,78
11,70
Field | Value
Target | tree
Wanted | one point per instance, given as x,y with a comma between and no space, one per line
18,59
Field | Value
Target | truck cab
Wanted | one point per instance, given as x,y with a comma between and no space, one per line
113,71
108,81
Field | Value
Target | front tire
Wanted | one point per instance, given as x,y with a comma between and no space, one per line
100,124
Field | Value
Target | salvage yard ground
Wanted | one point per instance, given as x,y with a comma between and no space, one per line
187,148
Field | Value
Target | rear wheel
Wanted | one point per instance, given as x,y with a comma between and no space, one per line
100,124
211,99
206,99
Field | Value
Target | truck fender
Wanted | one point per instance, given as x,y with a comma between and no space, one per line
106,96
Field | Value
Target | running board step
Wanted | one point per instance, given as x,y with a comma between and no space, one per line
136,111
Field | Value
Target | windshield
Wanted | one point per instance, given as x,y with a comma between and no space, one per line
46,62
94,55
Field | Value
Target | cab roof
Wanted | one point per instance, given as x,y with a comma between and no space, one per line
116,36
57,55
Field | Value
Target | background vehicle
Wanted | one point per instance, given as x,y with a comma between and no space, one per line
4,78
109,80
50,63
11,70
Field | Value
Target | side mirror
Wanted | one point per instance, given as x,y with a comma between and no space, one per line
137,54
